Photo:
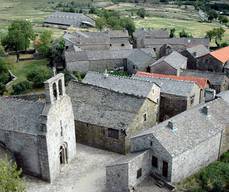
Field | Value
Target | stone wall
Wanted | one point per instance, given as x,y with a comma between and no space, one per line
192,160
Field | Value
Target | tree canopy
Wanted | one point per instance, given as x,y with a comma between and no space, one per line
4,76
216,34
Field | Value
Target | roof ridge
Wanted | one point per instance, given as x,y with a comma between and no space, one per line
21,100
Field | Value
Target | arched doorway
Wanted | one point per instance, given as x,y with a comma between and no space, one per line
63,154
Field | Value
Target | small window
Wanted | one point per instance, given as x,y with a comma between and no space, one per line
54,90
113,133
139,173
61,129
154,161
122,45
134,67
60,87
144,117
154,49
110,45
192,99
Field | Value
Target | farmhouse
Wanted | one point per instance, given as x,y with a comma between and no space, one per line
194,55
218,81
66,19
109,110
172,64
40,133
215,61
95,60
176,95
173,149
115,39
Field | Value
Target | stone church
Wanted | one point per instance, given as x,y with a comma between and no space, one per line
40,133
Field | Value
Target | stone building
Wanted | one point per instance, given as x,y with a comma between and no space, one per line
218,81
100,60
142,34
65,19
194,55
172,64
40,133
113,40
176,95
176,44
108,110
215,61
173,149
139,60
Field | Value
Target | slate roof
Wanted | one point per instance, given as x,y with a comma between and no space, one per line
122,85
198,51
224,95
201,82
186,42
213,77
140,58
20,115
221,54
168,86
103,107
68,19
153,33
190,127
175,59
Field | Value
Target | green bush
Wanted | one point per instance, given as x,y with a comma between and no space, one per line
22,87
38,76
141,12
4,76
10,180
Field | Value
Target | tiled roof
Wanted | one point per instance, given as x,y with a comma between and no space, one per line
221,54
190,127
175,59
123,85
172,87
202,82
20,115
198,51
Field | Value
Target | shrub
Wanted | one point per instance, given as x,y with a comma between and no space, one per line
38,76
10,177
141,12
22,87
4,76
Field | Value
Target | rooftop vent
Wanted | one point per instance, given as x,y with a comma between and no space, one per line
105,73
205,110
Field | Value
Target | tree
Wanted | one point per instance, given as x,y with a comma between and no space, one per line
100,23
10,177
141,12
172,32
223,19
4,76
128,24
183,33
38,75
20,33
217,34
22,87
212,15
43,43
57,53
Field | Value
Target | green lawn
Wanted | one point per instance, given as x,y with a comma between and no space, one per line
21,69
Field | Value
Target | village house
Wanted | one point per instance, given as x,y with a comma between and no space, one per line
218,81
100,60
141,34
176,44
215,61
194,55
109,110
64,20
40,133
173,149
114,39
176,95
172,64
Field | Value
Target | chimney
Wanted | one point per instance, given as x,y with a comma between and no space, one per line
205,110
171,125
105,73
194,54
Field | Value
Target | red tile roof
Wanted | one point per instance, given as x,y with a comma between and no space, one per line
201,82
221,54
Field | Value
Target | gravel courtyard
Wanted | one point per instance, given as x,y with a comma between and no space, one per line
86,173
